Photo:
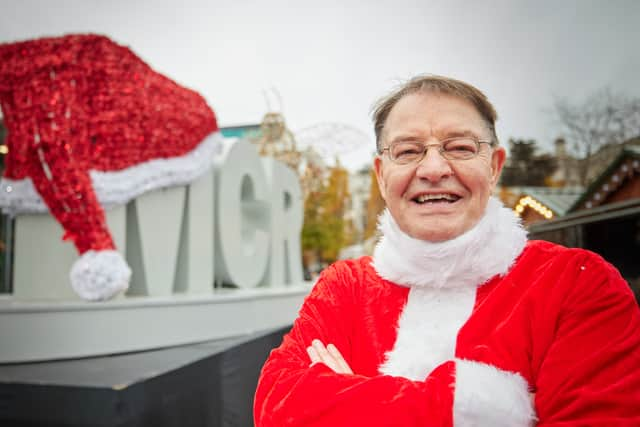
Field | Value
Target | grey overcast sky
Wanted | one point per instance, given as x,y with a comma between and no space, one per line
330,60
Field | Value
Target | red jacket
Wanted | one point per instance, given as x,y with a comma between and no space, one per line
562,323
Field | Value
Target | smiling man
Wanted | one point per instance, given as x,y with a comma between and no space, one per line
456,320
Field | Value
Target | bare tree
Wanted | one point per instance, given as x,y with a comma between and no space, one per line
604,119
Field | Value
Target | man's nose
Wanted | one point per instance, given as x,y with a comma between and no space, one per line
433,166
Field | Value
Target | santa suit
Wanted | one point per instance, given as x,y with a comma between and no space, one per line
460,333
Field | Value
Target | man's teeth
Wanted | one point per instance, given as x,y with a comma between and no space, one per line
436,197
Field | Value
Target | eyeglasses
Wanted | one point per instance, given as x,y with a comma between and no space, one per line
459,148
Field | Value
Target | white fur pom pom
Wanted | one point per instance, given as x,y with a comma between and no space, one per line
100,275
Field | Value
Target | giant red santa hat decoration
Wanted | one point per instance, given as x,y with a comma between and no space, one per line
91,125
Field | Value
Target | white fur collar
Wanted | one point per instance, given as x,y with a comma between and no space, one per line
427,330
469,260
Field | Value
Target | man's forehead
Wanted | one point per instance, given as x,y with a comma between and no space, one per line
422,128
437,102
440,133
435,114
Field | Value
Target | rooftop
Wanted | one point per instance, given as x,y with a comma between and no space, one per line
558,199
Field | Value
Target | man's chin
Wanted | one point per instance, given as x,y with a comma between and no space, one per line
436,234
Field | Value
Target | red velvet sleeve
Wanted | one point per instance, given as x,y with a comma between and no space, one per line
290,393
590,375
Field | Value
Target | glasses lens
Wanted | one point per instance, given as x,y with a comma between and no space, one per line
404,152
460,148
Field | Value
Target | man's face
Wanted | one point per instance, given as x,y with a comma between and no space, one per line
467,184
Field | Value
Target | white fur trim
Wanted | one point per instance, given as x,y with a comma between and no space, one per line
100,275
427,331
118,187
488,249
488,396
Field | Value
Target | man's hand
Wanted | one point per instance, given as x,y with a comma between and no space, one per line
328,355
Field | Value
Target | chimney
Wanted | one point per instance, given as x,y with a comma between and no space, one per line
561,148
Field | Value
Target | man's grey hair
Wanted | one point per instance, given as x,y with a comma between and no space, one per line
429,83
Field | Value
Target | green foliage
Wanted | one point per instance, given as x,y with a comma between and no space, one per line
325,230
375,205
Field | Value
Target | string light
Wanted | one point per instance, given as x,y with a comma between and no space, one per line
530,202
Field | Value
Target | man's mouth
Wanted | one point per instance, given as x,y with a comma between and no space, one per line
436,198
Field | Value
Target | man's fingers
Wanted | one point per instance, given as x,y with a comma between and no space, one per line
344,367
313,355
325,356
314,351
328,355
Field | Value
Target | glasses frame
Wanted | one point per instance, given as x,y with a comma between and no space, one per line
440,146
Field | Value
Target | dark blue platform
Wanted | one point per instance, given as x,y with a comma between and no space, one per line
209,384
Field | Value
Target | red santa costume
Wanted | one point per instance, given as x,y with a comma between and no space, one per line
459,333
91,125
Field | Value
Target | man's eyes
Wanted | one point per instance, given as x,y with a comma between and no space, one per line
465,145
456,148
408,149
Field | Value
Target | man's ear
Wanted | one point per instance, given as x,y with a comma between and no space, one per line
498,158
377,165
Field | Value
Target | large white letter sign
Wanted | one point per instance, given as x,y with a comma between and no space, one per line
153,240
242,217
285,263
195,268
